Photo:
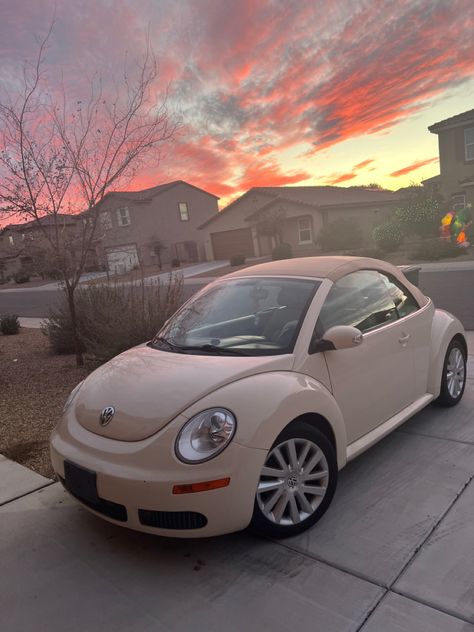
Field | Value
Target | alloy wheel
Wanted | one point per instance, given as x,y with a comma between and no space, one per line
455,372
293,482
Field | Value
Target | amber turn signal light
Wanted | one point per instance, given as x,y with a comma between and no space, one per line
191,488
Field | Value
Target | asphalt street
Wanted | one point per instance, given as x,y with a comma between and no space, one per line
452,290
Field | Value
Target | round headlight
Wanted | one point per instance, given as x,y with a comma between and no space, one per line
205,435
72,395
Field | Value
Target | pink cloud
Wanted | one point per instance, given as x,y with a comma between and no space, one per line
253,79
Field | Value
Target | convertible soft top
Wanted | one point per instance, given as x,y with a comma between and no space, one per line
332,268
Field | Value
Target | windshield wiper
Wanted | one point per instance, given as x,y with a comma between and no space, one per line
168,343
215,349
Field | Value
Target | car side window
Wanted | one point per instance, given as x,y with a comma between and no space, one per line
360,299
404,301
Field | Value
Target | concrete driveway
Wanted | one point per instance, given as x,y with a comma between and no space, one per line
395,553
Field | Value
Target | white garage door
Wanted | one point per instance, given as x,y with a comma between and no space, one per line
123,259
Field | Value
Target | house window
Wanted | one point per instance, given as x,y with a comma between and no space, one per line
106,220
305,233
469,143
183,212
458,202
11,240
123,216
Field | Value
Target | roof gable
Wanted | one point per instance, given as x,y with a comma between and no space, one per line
313,196
230,207
454,121
149,194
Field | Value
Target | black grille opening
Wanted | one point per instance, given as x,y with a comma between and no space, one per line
172,519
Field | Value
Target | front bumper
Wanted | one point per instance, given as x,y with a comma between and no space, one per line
134,481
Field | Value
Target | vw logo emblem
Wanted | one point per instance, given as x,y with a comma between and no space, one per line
107,415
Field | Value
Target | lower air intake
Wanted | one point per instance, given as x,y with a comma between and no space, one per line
172,519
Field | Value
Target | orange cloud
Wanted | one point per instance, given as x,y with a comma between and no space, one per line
364,163
270,174
336,178
413,167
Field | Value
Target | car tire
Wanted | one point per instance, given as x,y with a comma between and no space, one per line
453,380
297,482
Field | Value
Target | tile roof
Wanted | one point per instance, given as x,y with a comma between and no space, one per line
46,220
322,195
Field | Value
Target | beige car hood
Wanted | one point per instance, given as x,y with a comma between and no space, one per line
149,387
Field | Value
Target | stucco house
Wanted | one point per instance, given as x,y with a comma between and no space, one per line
456,159
304,211
131,223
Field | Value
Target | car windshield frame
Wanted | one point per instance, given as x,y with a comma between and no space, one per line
165,341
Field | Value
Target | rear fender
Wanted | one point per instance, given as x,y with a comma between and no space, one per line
444,328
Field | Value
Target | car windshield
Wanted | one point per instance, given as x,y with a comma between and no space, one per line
251,316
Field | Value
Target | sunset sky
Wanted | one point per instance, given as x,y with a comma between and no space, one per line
273,92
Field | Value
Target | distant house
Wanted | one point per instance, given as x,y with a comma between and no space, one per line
26,247
131,223
456,159
305,210
134,228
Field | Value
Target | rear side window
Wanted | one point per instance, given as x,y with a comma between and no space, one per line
404,301
360,299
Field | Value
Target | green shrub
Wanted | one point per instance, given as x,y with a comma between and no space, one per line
282,251
58,327
237,260
435,249
114,317
9,324
420,213
22,276
342,234
388,237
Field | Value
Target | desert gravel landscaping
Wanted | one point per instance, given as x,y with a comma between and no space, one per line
34,385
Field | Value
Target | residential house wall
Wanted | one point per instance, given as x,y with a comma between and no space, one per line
233,218
130,222
456,157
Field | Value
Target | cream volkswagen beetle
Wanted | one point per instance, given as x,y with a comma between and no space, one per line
253,395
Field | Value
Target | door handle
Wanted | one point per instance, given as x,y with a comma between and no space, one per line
405,338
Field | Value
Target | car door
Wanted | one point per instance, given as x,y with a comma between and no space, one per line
417,323
374,381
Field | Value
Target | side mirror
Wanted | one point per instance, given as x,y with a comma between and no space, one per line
338,337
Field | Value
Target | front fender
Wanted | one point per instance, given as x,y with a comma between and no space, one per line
443,329
266,403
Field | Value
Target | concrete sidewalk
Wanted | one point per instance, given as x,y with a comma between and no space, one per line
393,554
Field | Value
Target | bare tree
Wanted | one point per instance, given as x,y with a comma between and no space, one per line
62,155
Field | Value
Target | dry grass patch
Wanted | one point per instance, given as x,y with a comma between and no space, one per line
34,385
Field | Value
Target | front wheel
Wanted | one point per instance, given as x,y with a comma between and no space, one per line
297,482
453,379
